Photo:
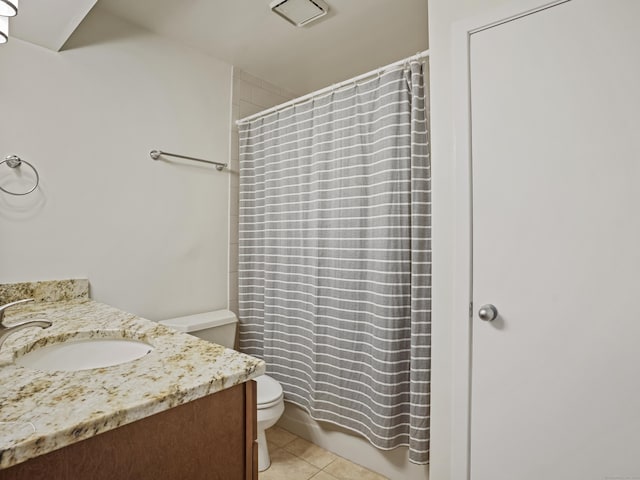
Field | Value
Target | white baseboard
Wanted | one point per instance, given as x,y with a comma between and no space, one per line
393,464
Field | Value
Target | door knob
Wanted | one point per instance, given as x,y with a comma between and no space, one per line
488,312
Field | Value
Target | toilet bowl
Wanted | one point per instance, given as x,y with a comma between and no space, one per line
220,327
270,409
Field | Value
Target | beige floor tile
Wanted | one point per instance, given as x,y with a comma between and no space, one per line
345,470
279,436
271,445
285,466
309,452
323,476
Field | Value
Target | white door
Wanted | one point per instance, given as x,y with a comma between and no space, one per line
555,390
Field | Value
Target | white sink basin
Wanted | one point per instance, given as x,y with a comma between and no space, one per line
84,354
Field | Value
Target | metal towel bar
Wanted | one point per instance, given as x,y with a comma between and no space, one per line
155,154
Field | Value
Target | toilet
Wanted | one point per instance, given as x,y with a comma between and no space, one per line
220,327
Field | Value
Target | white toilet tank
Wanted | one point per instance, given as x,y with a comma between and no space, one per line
218,326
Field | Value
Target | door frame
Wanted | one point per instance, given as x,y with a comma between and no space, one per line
463,310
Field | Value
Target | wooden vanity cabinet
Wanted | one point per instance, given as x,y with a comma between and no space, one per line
212,438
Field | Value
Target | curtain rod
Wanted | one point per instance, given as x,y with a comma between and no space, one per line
335,86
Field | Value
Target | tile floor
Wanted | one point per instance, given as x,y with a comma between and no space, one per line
293,458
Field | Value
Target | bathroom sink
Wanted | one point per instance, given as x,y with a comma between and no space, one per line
74,355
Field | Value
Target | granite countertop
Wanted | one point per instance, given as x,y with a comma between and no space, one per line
43,411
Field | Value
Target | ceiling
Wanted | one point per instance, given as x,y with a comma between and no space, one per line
49,23
355,37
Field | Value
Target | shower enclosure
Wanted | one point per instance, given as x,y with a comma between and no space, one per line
335,254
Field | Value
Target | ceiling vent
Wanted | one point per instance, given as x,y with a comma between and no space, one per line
299,12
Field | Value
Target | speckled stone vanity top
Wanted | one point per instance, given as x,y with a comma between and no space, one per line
44,411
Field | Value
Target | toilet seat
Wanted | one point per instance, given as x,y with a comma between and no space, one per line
264,406
269,392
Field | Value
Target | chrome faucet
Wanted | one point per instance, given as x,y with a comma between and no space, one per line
5,331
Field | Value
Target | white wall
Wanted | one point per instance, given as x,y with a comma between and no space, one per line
442,15
151,236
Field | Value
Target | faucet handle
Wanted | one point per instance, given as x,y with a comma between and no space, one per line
11,304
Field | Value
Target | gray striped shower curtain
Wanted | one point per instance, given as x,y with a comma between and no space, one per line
335,256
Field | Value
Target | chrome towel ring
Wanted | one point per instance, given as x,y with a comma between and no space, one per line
13,161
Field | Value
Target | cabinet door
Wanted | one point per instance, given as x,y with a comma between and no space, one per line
555,391
210,438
